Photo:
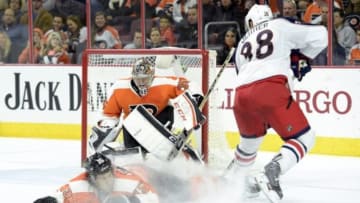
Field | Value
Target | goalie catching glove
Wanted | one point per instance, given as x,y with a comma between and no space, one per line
300,64
104,132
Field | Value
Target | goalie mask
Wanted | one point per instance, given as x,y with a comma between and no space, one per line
143,75
257,14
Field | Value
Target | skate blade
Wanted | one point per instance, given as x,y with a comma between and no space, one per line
271,195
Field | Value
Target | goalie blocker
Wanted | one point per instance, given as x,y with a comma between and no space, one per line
155,137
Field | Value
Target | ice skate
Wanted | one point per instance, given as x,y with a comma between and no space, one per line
252,188
234,172
268,182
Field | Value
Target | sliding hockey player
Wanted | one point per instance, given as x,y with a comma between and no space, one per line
151,92
102,182
263,97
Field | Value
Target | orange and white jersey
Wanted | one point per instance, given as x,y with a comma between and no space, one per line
124,97
354,55
80,190
108,38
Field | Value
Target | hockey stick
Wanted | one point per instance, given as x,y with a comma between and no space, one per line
214,82
184,136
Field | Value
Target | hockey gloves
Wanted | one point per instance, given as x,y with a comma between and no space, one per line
300,64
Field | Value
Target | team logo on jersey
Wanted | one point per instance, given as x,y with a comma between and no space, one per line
289,128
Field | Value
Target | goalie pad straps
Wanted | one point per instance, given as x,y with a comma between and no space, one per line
152,135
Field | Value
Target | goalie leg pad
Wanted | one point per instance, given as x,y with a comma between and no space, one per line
152,135
188,111
100,136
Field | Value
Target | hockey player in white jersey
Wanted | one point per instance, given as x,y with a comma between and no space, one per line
263,97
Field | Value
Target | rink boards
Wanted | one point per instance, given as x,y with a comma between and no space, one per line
45,102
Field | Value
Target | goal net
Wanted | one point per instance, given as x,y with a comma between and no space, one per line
102,67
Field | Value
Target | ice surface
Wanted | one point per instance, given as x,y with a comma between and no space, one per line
32,168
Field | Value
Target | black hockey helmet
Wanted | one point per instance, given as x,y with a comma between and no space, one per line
97,164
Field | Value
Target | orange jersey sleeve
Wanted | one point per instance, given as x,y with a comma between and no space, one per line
312,11
124,98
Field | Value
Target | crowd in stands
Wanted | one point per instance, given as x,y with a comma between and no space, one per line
60,30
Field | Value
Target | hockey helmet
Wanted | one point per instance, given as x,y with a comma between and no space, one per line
257,14
97,164
143,75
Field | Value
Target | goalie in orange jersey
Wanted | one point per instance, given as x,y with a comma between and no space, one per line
143,88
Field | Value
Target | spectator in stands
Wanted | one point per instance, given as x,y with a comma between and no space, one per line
312,11
16,5
188,29
17,33
166,30
338,54
48,4
302,5
70,7
5,46
290,10
53,52
353,7
137,41
345,34
155,39
106,36
58,26
38,43
74,26
208,10
181,8
120,15
227,11
324,14
354,56
37,6
230,40
42,18
165,7
150,8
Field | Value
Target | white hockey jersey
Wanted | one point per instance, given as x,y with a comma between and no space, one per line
264,51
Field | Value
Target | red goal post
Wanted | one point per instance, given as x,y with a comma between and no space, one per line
100,68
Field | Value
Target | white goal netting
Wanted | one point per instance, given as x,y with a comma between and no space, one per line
102,67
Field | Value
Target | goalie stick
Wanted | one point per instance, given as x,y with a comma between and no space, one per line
184,135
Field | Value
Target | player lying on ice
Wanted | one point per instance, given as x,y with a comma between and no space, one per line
103,182
158,95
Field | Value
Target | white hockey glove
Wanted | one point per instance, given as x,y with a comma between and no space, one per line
104,132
